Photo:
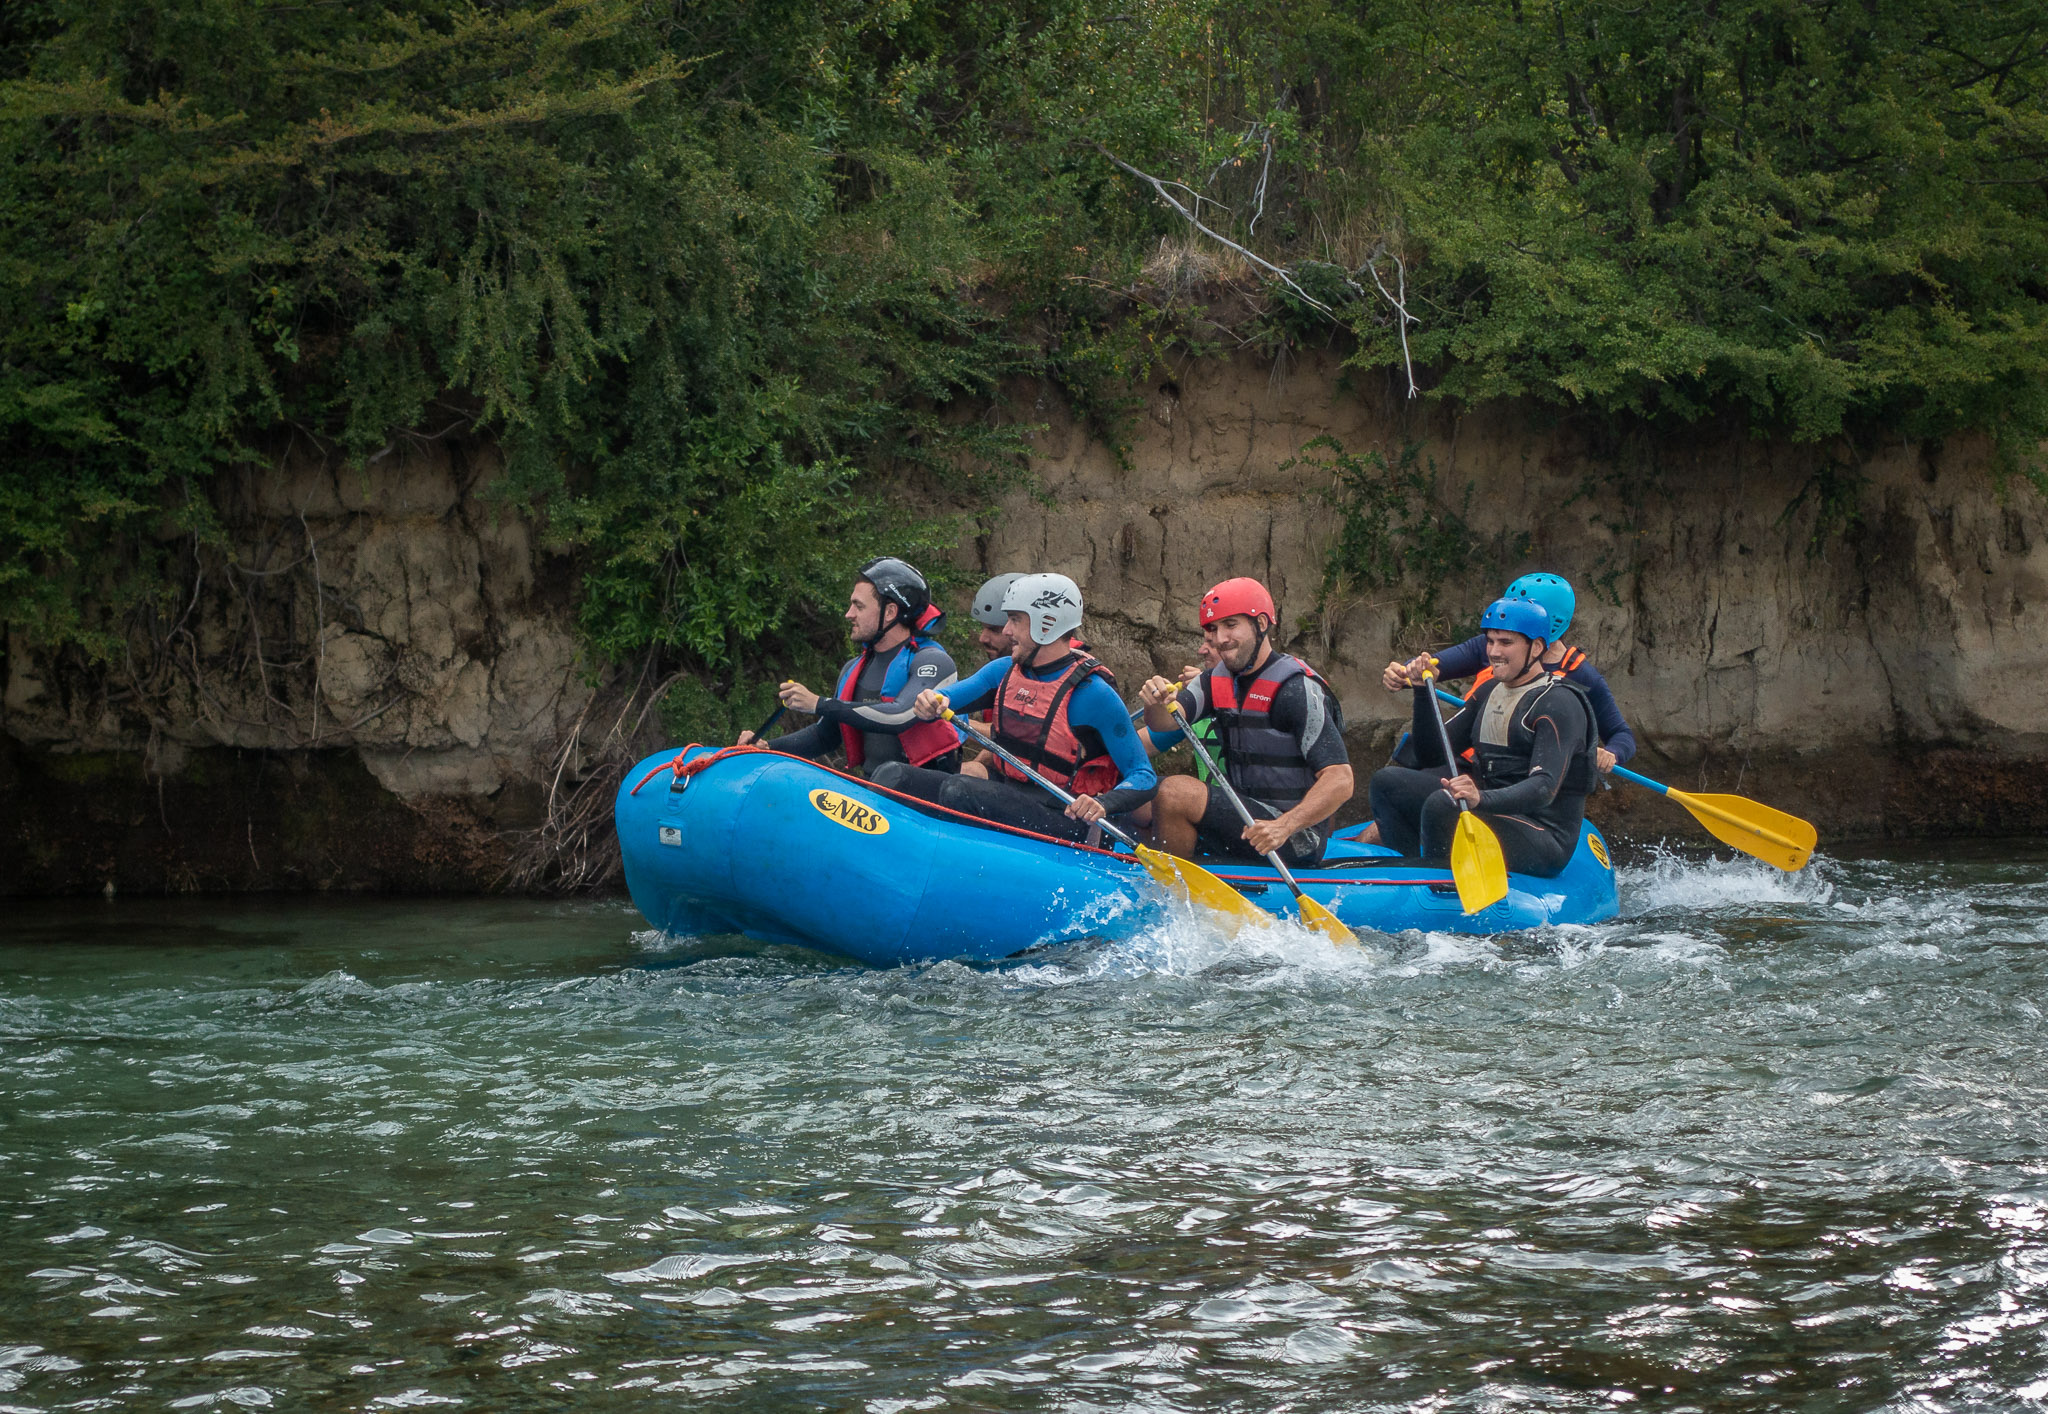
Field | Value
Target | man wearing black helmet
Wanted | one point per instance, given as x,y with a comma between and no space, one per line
890,615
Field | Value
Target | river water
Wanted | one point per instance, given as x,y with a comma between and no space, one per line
1765,1143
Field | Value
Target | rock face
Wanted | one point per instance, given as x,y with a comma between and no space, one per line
1866,653
363,695
383,681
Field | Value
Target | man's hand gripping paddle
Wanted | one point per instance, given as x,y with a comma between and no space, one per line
1780,840
1477,865
1313,915
1178,876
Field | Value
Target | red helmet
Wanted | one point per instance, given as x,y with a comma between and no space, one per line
1238,596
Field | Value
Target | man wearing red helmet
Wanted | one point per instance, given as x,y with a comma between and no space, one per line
1282,733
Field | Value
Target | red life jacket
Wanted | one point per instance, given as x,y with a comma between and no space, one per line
1571,659
1031,721
926,741
987,715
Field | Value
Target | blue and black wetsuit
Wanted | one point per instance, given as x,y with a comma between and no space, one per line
1097,714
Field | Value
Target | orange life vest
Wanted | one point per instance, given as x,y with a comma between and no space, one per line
1031,721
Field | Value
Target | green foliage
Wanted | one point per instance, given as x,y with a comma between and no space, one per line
1830,216
738,287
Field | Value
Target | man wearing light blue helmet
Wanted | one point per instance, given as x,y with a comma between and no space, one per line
1522,758
1553,594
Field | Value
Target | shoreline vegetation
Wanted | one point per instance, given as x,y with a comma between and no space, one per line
738,291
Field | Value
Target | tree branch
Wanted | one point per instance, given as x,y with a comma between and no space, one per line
1196,221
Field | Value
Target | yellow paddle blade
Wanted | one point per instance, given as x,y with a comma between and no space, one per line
1200,887
1477,865
1318,919
1776,838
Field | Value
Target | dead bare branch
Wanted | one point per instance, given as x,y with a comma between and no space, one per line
1402,318
1194,220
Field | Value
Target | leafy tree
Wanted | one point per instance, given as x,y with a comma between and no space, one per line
734,284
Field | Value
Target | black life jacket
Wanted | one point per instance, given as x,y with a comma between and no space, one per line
1262,761
1499,766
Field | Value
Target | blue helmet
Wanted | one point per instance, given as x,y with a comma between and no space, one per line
1551,594
1517,616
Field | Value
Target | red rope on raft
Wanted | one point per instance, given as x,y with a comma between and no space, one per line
685,769
930,807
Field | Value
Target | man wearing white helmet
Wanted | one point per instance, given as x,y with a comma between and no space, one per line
1056,708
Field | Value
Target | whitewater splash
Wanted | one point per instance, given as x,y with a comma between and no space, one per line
1670,881
1189,943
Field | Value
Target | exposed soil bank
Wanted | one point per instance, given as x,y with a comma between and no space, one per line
382,692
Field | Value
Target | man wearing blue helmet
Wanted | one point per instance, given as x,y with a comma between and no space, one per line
1553,594
1527,738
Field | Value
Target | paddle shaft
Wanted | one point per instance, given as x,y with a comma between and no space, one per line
1443,739
773,718
961,724
1272,856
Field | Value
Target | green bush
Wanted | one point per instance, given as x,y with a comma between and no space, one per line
739,287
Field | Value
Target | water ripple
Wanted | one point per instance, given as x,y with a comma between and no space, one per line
1761,1143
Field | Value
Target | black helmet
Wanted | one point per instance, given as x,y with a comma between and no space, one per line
897,583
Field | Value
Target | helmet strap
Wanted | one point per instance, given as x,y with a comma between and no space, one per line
882,622
1261,633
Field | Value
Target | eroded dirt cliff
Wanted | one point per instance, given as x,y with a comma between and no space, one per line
1856,637
381,687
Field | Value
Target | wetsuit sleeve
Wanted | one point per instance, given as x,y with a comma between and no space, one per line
1614,732
930,667
1194,706
1096,706
971,694
1307,711
1559,722
814,742
1462,660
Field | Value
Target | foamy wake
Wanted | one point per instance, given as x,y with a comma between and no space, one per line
1674,882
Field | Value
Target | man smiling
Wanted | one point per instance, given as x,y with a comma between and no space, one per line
1531,738
1282,733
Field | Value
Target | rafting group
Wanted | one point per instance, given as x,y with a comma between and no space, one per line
1020,806
1063,756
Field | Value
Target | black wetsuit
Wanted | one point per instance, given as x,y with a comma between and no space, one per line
878,719
1533,776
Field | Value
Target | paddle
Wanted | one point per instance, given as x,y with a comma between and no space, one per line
1190,881
1784,841
1477,865
773,718
1778,839
1313,915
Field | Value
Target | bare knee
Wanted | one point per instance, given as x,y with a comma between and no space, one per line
1183,796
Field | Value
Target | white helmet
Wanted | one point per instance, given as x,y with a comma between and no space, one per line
1052,600
988,600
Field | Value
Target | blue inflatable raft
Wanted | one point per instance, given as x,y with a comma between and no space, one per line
782,849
